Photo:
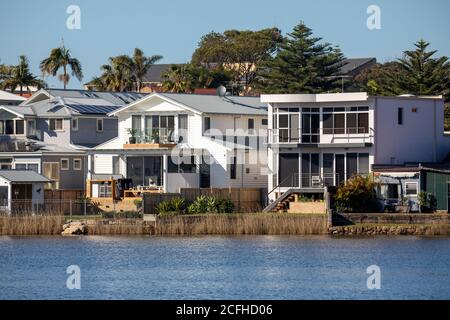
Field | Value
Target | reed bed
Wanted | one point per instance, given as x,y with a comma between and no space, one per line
31,225
244,224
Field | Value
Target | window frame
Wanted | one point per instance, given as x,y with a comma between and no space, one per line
416,184
55,121
75,128
75,167
61,164
99,120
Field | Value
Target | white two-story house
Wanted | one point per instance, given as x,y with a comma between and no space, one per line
170,141
318,140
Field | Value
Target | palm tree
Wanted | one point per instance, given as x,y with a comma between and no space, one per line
20,76
178,79
117,75
61,58
140,65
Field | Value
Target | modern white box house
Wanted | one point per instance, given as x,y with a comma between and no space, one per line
222,141
318,140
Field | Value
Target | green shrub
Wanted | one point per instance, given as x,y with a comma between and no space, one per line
210,204
357,195
427,201
174,206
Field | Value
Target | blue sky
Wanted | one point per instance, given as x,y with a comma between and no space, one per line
173,28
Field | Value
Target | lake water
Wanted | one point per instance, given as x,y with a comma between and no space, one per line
216,267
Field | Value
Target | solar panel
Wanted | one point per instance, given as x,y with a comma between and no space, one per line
92,109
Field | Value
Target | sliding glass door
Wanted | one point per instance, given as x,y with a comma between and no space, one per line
145,171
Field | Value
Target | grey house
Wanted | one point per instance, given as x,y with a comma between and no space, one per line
51,131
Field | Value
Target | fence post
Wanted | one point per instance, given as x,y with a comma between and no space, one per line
70,208
84,206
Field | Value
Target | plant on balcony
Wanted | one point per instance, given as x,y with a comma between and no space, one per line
133,133
155,136
357,195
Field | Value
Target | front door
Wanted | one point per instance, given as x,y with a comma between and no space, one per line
288,169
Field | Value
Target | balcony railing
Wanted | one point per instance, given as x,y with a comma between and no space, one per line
152,136
307,181
322,135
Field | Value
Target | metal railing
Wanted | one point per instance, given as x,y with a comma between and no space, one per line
81,207
306,181
321,135
152,136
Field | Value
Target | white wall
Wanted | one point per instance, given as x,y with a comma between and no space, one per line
420,138
175,181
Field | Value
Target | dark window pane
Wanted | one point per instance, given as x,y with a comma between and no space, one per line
9,127
306,170
283,120
20,127
339,123
351,123
352,164
363,163
327,123
328,161
251,124
233,168
400,116
363,123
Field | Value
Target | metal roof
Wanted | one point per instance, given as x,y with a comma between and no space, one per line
220,105
353,65
91,109
23,176
8,96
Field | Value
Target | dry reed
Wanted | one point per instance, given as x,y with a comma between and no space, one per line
31,225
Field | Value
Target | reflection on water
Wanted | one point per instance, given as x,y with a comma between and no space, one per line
214,267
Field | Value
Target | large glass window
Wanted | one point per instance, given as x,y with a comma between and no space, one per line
145,171
20,126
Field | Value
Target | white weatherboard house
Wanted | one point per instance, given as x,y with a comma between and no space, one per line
170,141
318,140
21,190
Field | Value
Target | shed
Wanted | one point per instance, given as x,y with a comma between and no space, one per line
21,190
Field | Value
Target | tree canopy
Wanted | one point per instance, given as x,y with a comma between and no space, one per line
239,52
303,64
18,77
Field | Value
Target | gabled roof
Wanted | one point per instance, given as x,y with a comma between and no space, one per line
7,96
353,66
23,176
210,104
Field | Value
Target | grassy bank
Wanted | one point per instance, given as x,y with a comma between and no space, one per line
31,225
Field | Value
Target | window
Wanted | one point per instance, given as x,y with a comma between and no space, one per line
251,124
55,124
51,171
9,126
75,124
264,122
20,126
99,125
4,196
116,165
64,164
2,127
183,164
400,116
207,125
233,167
77,164
34,167
411,188
21,166
136,123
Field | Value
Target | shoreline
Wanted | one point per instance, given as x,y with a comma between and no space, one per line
212,224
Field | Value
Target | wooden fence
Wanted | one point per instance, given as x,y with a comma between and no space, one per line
64,201
244,200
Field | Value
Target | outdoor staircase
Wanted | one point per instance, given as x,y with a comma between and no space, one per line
281,204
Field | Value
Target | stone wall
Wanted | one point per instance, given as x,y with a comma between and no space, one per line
345,219
372,230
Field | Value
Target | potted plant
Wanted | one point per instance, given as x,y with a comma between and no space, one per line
155,136
132,139
403,206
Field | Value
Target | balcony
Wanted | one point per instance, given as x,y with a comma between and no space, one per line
361,136
151,139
